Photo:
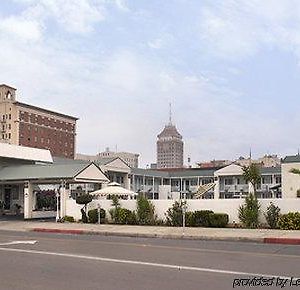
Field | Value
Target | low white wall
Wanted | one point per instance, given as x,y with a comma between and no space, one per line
229,206
43,214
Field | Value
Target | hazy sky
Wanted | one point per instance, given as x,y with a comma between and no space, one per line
230,69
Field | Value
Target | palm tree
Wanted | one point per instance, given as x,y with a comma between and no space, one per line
252,175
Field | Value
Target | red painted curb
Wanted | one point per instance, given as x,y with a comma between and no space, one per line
285,241
59,231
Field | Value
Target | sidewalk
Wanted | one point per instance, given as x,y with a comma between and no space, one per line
221,234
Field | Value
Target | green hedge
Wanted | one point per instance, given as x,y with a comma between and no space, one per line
206,218
289,221
69,219
218,220
202,218
124,216
93,215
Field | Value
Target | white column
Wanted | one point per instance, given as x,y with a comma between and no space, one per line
153,183
127,181
63,198
217,189
133,183
28,200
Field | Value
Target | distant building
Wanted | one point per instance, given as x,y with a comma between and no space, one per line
131,159
27,125
265,161
214,164
169,147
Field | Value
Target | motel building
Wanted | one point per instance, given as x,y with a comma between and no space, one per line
33,184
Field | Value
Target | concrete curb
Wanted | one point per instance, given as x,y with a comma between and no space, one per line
146,235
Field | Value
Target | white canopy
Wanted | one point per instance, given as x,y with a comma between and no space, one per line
113,188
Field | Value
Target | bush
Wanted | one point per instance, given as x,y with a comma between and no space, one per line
145,212
174,214
93,215
123,216
272,215
201,218
249,212
69,219
218,220
289,221
190,219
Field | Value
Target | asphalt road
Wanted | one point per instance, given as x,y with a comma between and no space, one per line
48,261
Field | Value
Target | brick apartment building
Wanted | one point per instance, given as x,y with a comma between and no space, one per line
27,125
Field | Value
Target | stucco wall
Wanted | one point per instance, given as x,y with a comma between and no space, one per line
290,181
229,206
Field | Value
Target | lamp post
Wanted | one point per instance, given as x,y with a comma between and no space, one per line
183,213
57,205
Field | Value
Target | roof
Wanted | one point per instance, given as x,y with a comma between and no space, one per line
264,170
192,172
149,172
4,85
232,169
45,110
104,161
291,159
169,131
50,171
25,153
172,173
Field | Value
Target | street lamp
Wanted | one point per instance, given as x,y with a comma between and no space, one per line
183,213
57,205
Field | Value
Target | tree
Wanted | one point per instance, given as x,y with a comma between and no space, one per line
145,211
252,175
272,215
84,199
114,212
249,212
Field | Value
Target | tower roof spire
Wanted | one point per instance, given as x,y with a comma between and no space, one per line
170,113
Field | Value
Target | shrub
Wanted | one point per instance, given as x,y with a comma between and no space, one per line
145,211
272,215
69,219
123,216
289,221
249,212
174,214
218,220
190,219
93,215
201,218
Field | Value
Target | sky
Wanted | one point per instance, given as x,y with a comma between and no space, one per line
231,70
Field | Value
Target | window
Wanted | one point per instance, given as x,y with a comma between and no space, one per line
228,181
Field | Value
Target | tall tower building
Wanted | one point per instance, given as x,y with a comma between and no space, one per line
169,147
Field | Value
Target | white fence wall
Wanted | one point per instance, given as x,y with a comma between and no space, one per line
229,206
